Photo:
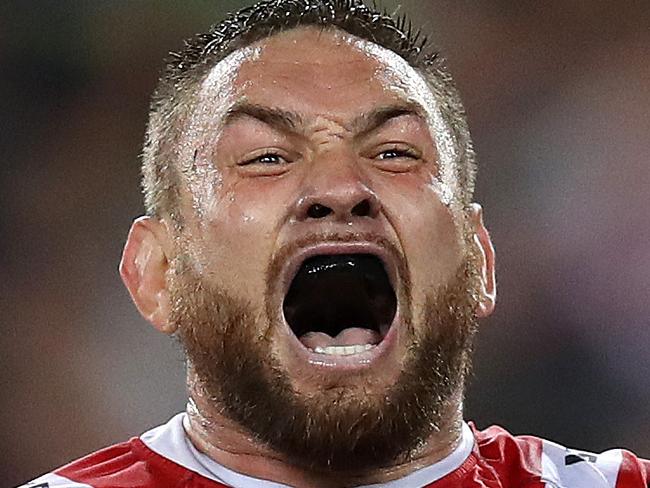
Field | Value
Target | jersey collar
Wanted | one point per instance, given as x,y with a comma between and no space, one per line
170,441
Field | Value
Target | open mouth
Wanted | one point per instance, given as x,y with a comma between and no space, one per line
340,304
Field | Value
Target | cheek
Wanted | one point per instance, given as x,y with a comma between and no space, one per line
426,229
239,235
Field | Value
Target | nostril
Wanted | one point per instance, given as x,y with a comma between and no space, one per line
361,209
318,211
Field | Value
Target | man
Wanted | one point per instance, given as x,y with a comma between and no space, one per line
311,240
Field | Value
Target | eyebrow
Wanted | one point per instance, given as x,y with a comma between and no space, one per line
288,121
284,120
376,118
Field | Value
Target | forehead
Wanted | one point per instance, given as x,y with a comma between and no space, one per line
314,72
321,74
321,71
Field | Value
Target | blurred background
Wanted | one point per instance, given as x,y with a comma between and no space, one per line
558,97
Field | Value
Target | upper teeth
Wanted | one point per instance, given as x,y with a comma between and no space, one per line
343,350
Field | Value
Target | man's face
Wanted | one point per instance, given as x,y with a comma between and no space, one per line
322,288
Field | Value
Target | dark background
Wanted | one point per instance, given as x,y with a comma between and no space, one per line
558,97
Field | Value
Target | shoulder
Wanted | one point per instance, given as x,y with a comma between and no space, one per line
129,464
116,462
527,460
159,458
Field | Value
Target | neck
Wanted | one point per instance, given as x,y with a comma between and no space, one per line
229,444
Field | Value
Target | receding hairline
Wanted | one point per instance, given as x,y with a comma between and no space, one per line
253,50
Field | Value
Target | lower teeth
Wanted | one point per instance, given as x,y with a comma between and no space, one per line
343,350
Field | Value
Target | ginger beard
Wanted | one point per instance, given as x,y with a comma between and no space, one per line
338,429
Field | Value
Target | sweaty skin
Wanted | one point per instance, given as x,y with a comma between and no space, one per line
247,194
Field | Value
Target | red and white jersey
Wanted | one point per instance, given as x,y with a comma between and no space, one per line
165,458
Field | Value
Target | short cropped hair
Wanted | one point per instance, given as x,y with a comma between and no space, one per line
172,101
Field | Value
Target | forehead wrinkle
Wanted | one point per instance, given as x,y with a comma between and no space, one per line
290,121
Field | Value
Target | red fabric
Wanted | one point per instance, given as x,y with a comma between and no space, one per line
633,472
499,460
132,465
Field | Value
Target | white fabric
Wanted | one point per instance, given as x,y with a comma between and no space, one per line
560,469
171,442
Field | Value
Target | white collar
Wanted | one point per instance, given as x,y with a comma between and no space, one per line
170,441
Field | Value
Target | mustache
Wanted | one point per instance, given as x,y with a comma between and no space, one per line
282,255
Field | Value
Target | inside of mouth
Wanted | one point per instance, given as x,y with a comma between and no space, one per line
340,300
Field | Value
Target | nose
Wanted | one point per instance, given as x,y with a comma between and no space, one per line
338,193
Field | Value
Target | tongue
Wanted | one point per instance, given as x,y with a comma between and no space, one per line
347,337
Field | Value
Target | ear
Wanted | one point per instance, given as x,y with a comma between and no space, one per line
483,243
143,270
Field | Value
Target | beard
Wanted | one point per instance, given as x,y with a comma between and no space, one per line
228,348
